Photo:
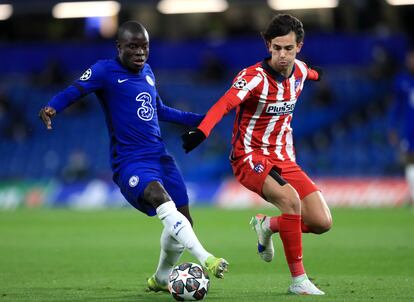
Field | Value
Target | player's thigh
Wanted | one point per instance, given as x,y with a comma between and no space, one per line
295,176
174,183
133,180
253,171
281,194
316,213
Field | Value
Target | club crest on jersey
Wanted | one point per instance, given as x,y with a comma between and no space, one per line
281,108
239,84
258,168
133,181
86,75
297,84
145,112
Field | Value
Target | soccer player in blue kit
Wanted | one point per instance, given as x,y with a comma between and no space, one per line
146,174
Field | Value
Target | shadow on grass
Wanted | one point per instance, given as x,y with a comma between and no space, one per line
122,294
65,294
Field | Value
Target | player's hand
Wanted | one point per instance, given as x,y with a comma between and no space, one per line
319,71
192,138
46,114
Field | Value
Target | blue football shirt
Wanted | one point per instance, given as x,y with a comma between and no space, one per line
132,109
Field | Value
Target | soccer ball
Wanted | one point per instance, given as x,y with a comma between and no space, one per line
188,282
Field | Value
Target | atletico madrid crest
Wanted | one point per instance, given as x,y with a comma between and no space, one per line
259,168
297,84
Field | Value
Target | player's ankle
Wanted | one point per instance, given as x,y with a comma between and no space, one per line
300,278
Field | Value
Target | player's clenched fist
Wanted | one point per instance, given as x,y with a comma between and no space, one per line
192,139
46,114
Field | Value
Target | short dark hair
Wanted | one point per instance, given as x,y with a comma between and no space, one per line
281,25
130,26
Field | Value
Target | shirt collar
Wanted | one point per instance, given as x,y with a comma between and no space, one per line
277,76
122,65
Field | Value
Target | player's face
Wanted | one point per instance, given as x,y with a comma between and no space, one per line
283,50
133,50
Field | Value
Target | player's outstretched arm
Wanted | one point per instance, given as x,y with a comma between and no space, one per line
192,138
315,73
46,114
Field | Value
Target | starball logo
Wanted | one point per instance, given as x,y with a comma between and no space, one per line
281,108
178,226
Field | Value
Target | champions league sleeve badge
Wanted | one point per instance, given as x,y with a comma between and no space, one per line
240,84
86,75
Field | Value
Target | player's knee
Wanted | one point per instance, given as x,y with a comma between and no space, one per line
288,203
322,226
155,194
292,204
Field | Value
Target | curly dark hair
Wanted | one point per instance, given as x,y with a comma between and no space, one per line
281,25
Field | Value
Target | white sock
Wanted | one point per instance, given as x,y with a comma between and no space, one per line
266,226
178,226
171,251
409,176
299,279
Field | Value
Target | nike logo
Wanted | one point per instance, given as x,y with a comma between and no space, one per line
121,81
191,132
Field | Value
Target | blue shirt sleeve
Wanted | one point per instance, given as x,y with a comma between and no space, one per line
90,81
172,115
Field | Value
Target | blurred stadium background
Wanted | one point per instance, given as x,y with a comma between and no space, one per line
340,125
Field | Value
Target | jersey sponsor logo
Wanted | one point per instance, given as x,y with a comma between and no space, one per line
121,81
86,75
133,181
240,84
150,80
145,112
281,108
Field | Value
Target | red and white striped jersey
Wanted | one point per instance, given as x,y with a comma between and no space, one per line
265,101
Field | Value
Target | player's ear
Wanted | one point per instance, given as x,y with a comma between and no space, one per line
268,46
299,46
118,45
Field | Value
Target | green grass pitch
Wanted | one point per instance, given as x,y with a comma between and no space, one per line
64,255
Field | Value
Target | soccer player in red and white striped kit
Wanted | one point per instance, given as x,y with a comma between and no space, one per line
263,156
